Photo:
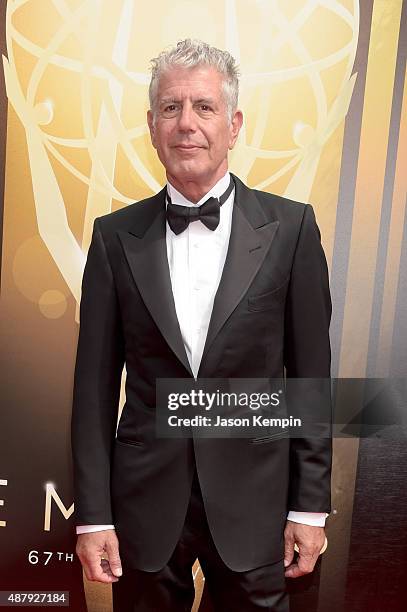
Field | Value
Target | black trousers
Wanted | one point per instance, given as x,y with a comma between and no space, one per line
172,588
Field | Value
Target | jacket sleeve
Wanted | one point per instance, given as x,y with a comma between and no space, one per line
307,355
96,390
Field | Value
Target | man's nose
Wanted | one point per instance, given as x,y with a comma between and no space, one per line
187,119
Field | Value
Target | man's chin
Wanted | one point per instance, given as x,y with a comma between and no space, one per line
189,172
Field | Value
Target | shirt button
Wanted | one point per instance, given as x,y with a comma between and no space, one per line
196,245
196,288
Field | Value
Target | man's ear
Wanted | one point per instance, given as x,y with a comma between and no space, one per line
150,121
235,126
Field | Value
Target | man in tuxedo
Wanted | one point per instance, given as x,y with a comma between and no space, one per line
206,279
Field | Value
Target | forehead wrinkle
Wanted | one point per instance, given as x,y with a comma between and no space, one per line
195,91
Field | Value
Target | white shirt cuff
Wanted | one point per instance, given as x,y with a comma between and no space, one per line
316,519
91,528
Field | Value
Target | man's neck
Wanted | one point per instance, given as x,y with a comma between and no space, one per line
194,190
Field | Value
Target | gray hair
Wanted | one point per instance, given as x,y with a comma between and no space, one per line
190,53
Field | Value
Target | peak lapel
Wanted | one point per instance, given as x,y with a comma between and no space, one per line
146,252
252,233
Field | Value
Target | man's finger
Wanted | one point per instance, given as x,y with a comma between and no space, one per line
288,548
306,562
305,565
293,571
97,569
106,569
112,549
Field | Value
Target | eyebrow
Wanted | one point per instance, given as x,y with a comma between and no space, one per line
209,101
167,100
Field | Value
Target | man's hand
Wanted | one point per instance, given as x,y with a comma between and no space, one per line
309,540
91,547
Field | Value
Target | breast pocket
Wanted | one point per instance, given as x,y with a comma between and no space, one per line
270,299
269,438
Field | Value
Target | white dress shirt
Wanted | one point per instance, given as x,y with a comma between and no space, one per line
196,258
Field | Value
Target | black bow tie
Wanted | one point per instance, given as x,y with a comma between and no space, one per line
179,217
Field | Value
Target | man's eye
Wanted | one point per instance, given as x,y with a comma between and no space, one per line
205,107
170,108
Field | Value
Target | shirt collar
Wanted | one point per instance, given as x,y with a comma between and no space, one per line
216,191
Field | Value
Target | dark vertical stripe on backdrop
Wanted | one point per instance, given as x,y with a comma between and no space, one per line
347,184
391,160
398,364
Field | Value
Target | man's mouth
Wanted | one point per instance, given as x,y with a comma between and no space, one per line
187,147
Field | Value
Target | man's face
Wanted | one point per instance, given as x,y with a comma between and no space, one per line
191,131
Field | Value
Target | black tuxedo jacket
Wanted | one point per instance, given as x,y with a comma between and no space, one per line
271,316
